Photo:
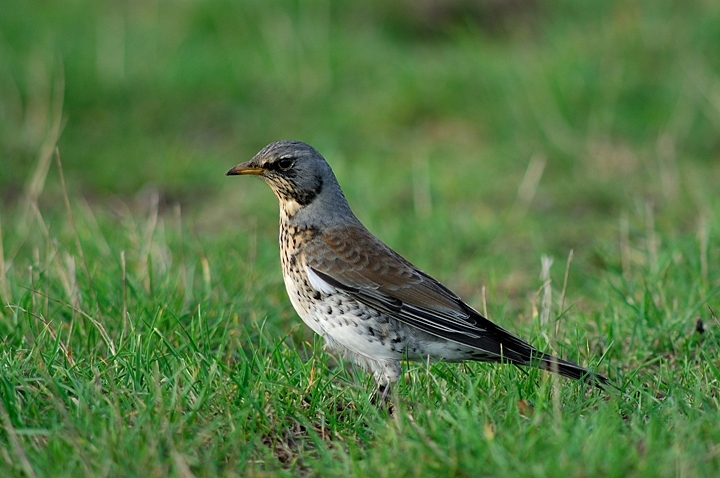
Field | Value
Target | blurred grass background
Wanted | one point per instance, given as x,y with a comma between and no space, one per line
165,93
472,136
438,107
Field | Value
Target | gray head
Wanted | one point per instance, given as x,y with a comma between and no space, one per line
298,175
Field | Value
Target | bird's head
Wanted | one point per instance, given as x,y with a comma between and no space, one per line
296,172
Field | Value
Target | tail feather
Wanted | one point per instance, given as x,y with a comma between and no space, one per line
571,370
515,350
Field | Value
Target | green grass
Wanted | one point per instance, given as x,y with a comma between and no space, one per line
145,330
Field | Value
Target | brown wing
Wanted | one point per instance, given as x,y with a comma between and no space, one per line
352,259
358,259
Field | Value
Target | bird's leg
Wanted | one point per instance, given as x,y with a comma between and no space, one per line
381,394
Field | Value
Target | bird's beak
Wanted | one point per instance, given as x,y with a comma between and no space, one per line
245,168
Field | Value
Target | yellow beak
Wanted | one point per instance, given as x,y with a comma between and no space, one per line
244,168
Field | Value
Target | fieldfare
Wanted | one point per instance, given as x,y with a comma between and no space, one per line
363,298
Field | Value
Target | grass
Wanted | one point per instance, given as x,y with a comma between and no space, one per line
145,328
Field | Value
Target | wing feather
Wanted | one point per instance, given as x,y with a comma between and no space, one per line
376,275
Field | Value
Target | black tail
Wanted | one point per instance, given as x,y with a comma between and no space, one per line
569,369
510,348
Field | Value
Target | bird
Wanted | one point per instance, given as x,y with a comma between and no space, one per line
365,300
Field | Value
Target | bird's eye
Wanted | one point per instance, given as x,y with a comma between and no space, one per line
285,163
